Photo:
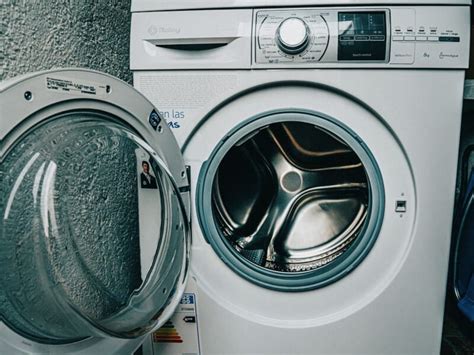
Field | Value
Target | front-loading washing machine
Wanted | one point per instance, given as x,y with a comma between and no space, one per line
316,176
321,139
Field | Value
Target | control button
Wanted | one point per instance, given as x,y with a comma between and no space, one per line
377,38
409,38
397,38
421,38
346,38
292,35
449,39
434,39
361,38
400,206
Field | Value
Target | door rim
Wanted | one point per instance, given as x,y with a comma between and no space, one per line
301,281
132,111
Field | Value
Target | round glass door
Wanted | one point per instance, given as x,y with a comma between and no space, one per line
297,201
94,239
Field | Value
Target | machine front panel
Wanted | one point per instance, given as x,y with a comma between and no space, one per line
313,37
412,37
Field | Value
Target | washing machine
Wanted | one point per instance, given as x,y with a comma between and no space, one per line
321,138
308,151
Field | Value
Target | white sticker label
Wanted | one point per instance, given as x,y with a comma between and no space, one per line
75,87
183,99
179,336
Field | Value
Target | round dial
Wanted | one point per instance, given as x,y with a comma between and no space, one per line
292,35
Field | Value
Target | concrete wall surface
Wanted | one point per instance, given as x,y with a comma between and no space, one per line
43,34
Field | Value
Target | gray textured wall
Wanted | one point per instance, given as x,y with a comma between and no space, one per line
43,34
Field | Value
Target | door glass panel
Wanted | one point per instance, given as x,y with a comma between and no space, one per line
92,232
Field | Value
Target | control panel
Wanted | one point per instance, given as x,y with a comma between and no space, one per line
304,35
291,36
424,36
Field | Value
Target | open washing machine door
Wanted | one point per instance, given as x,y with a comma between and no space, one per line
94,203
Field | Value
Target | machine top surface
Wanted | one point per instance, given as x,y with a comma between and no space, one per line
167,5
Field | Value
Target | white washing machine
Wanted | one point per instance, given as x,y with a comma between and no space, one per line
317,172
322,141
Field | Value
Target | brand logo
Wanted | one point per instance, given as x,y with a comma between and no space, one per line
170,30
152,30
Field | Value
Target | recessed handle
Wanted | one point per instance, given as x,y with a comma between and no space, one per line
192,44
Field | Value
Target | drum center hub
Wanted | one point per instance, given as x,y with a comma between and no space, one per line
291,181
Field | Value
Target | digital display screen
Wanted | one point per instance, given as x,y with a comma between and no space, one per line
362,36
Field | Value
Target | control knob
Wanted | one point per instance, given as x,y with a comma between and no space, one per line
292,36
